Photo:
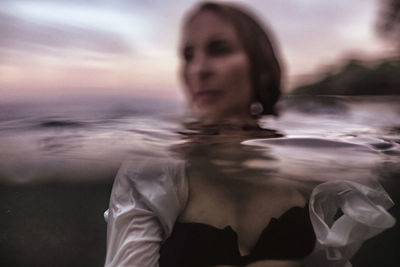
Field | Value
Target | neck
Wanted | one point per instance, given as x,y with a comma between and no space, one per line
233,123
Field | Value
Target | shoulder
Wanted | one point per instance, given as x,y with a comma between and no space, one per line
150,173
158,184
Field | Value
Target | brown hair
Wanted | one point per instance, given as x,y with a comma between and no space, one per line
265,67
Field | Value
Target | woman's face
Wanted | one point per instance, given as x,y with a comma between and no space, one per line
215,68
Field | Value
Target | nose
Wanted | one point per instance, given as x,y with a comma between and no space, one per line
200,67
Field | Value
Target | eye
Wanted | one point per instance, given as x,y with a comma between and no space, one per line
219,48
187,54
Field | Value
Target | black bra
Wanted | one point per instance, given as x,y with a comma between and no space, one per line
197,244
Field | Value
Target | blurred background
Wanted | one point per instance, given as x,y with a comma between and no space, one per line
79,79
98,48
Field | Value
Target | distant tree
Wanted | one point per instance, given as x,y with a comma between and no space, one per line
356,78
359,78
389,21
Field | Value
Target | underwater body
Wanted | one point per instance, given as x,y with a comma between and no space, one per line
57,164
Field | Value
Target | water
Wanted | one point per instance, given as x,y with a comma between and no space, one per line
57,163
39,142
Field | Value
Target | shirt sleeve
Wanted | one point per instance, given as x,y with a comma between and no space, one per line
145,201
364,216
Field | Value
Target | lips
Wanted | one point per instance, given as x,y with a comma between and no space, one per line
207,96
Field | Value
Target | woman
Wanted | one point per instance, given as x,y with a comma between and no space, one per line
208,210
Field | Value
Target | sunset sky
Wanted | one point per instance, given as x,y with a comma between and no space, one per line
60,48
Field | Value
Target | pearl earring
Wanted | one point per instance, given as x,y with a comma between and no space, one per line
256,108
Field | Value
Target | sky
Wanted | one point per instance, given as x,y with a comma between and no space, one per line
83,48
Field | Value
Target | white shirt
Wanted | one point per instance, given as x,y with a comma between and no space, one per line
149,194
147,197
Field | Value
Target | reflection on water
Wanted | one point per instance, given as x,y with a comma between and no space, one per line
333,138
312,141
325,159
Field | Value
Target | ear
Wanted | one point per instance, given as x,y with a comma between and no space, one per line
263,92
264,78
263,82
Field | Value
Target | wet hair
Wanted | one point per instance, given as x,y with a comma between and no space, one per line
264,64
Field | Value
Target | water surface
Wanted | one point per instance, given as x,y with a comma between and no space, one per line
57,164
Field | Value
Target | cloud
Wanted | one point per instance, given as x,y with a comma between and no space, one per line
21,34
142,37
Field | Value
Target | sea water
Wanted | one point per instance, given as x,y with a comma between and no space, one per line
58,161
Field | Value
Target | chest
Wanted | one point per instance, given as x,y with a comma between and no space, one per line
245,204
